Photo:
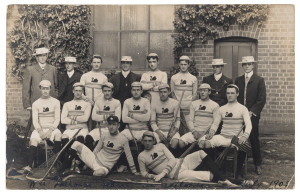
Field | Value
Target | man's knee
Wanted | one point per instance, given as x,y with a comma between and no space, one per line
99,172
202,154
34,142
181,144
77,146
57,137
174,143
64,136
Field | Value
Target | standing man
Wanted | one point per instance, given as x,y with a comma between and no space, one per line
136,112
45,119
104,107
153,78
185,82
67,80
253,96
122,82
202,114
34,74
110,147
218,82
163,115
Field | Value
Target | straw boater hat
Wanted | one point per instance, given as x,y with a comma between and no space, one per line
248,59
184,58
218,62
40,51
205,86
126,58
70,59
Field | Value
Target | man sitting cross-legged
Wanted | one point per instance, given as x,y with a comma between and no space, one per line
108,150
160,160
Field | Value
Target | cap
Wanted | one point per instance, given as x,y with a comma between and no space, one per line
163,85
184,57
247,59
40,51
152,55
126,58
205,86
112,118
78,84
137,84
45,83
70,59
233,86
218,62
108,84
148,133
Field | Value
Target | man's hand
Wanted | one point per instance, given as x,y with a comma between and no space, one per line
242,140
161,135
210,135
48,134
197,134
250,114
29,108
42,134
159,176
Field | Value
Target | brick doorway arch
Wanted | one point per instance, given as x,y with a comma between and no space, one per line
231,50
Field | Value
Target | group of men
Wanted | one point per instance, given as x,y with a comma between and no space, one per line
121,114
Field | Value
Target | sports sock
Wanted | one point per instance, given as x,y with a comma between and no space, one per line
32,154
89,142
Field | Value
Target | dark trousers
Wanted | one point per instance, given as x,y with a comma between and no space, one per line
254,139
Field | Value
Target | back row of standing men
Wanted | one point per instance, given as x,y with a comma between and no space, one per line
125,84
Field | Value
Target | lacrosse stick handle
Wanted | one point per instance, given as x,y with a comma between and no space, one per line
134,140
28,127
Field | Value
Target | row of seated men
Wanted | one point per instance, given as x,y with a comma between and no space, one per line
163,115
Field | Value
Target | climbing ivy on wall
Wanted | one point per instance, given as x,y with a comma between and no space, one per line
201,22
64,29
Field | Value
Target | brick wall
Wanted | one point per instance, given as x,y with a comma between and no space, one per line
276,56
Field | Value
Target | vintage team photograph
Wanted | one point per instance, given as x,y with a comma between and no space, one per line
150,96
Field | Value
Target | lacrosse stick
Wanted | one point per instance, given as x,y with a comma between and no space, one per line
40,173
134,140
28,127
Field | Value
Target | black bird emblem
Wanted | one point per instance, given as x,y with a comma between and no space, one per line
182,81
136,107
228,114
202,107
110,144
77,107
94,79
106,108
165,110
152,78
45,109
154,155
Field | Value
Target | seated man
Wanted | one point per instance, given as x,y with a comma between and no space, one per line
103,108
162,117
136,112
160,160
75,115
45,119
202,113
105,155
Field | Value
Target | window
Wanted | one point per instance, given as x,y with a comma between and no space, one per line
133,30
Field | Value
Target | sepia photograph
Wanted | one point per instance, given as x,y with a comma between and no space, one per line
150,96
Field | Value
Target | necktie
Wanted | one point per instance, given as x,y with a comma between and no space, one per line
245,91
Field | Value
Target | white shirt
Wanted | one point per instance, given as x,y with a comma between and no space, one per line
218,76
70,73
249,75
125,73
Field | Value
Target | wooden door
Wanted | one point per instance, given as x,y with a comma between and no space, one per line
232,52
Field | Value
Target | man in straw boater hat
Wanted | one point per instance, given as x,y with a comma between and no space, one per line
122,82
184,87
235,117
34,74
158,159
153,78
163,117
67,80
202,114
107,152
253,96
45,118
103,108
218,82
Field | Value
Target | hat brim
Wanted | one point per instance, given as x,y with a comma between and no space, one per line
248,62
35,54
218,64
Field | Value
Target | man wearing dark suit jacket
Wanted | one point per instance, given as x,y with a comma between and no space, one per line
67,80
253,96
122,82
218,82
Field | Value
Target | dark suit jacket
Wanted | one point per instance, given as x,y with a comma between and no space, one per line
65,85
219,97
115,80
256,93
33,75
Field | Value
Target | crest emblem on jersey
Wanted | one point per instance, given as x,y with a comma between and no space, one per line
106,108
152,78
110,144
182,81
202,107
45,109
228,114
165,110
154,155
94,80
136,107
77,107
